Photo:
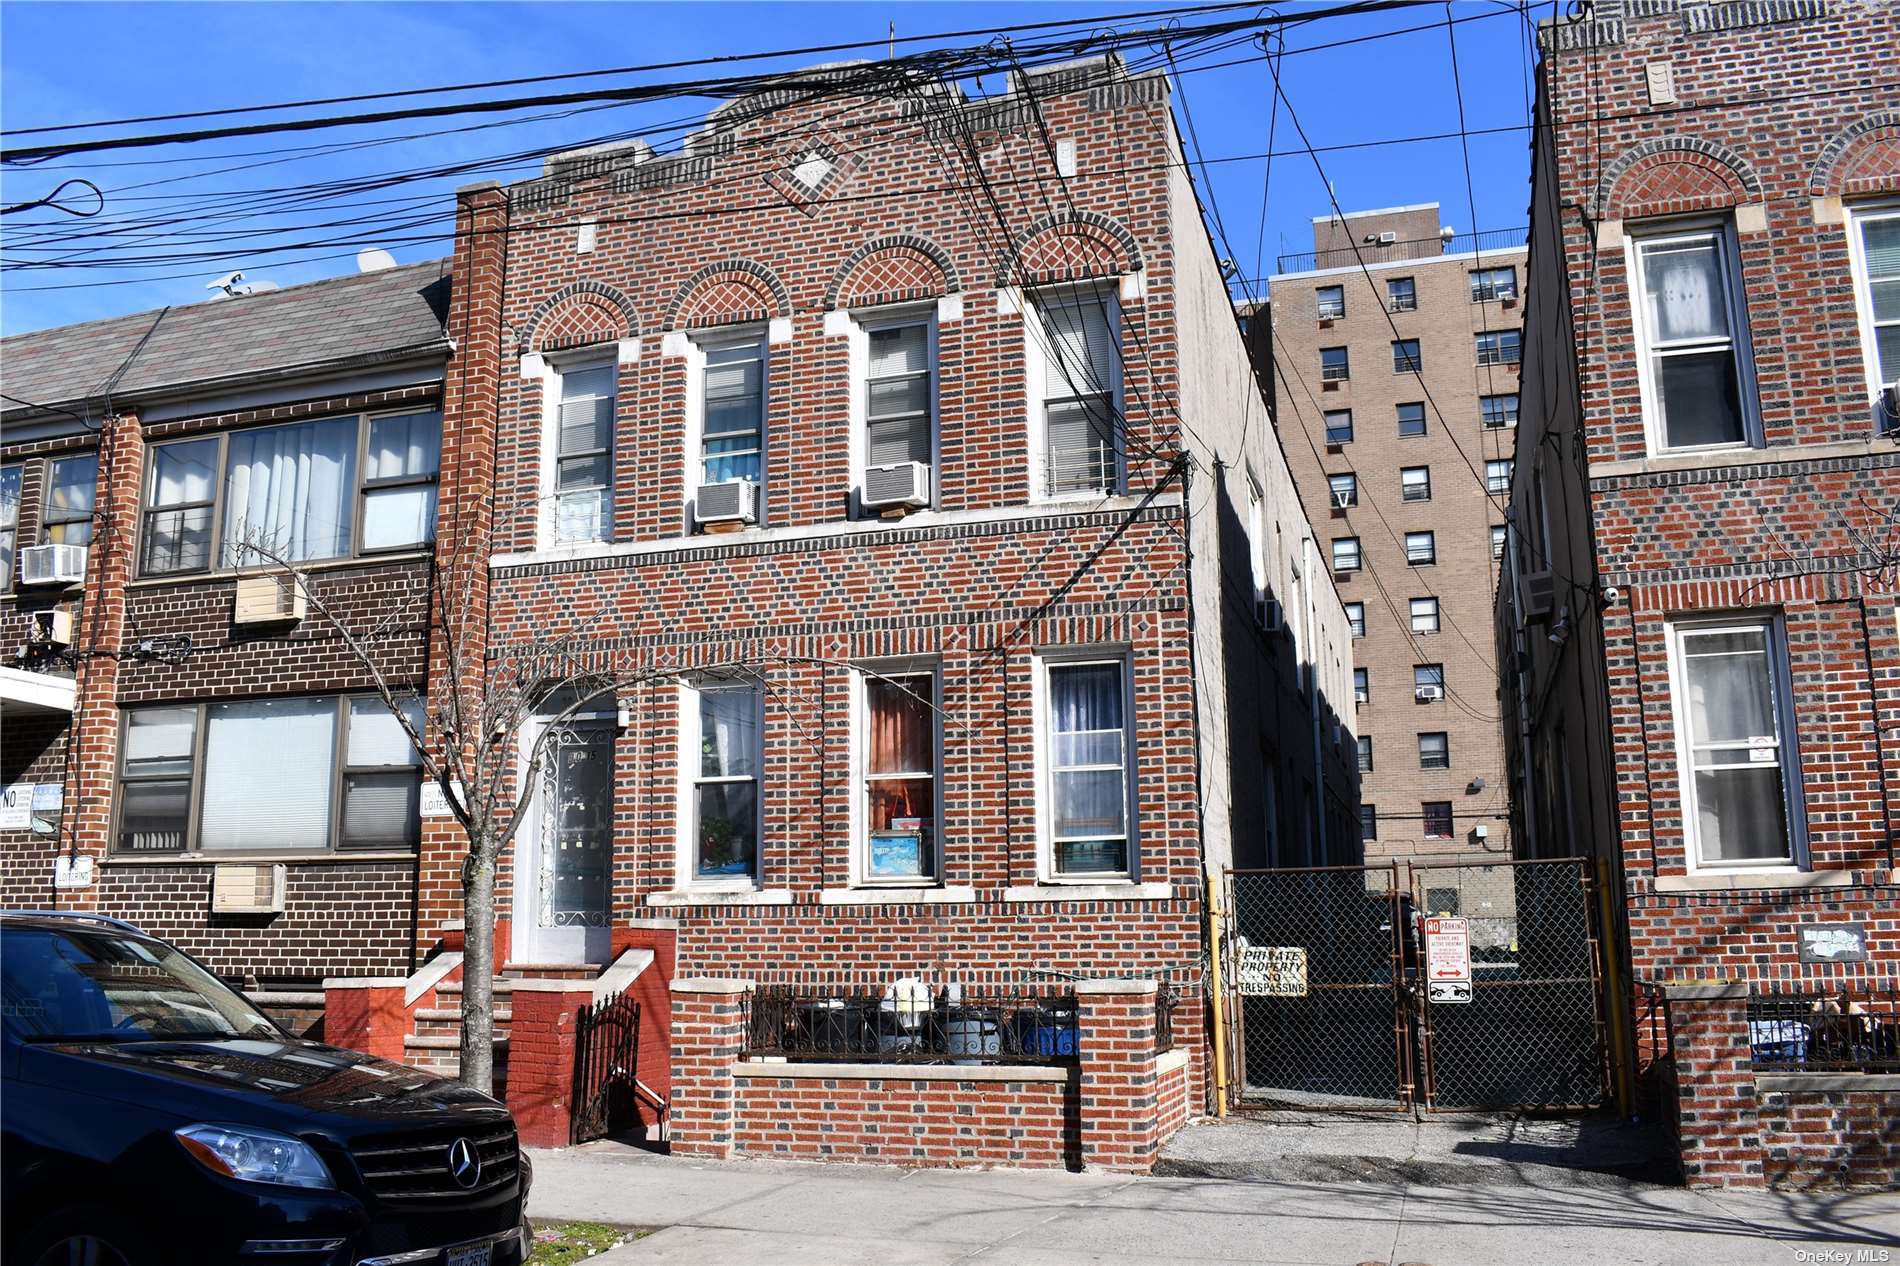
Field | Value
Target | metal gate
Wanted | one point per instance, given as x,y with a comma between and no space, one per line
606,1044
1332,1008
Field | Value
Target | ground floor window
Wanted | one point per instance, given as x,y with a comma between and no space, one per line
722,744
900,768
1086,743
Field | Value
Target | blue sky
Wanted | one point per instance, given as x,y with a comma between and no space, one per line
66,63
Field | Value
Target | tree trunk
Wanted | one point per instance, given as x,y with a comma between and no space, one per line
478,968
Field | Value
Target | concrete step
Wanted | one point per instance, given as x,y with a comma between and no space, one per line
448,1042
453,1015
549,971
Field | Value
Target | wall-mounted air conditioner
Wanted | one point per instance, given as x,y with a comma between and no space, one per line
51,628
247,889
1388,238
1429,694
1540,594
734,501
270,599
895,484
52,564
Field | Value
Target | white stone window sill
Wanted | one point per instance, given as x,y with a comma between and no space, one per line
1710,458
873,896
250,859
1090,892
1728,881
721,897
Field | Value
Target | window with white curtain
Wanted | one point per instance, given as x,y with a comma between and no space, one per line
1085,789
899,396
1874,236
1081,368
732,435
71,484
583,484
294,775
722,752
1696,380
900,758
289,492
1424,615
400,465
180,503
10,479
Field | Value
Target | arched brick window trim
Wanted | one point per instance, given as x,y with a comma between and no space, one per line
595,294
903,243
771,292
1104,233
1720,160
1879,132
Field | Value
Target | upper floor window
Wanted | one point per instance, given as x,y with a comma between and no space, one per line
1499,411
1405,356
1345,489
732,417
1500,347
721,735
1356,618
1365,753
1436,816
1415,483
1412,418
1361,685
1331,301
1497,476
1428,682
1499,534
1424,615
1334,364
265,775
10,478
1401,295
1085,790
1339,426
1696,375
292,493
1368,822
1345,553
899,395
900,774
71,484
1421,548
1875,242
1493,283
1434,750
1081,392
1740,770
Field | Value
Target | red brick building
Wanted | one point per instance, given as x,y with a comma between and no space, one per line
1698,620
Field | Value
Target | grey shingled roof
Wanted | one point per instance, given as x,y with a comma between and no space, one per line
338,319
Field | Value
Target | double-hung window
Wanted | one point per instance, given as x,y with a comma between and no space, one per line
1401,295
1361,685
1493,283
400,466
1339,426
1345,489
1346,553
1334,364
1497,476
723,753
1406,358
1368,822
1331,301
1365,753
1424,615
1740,771
584,454
10,479
1089,744
1356,618
1500,347
1499,536
900,775
1428,682
1874,241
1436,817
1421,548
1499,411
71,484
1411,417
732,435
1434,750
1415,483
1081,389
898,394
1696,378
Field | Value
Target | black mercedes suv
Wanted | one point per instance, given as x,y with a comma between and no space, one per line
150,1116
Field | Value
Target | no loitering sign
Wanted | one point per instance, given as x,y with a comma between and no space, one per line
1447,959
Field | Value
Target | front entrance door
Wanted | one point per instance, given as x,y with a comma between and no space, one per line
564,852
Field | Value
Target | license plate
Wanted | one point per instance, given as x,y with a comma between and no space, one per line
469,1255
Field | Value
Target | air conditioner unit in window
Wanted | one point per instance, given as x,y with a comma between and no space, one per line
1429,694
1890,409
1271,615
734,501
895,484
1388,238
247,889
270,599
52,564
51,628
1540,594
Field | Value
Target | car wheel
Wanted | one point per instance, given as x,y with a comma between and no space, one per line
86,1236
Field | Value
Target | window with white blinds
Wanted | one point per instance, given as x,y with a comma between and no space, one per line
1876,242
266,778
583,457
898,394
732,437
1081,379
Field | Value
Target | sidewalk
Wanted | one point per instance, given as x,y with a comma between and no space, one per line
736,1213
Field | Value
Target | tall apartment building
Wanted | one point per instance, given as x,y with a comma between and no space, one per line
1699,614
1391,353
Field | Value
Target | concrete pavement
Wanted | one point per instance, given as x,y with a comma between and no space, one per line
736,1213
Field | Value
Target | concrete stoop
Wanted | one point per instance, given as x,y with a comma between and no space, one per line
1441,1150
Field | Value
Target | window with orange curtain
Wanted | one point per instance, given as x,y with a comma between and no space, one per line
900,775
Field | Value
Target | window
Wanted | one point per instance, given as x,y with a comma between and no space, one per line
1332,302
1424,615
9,521
1401,295
1434,751
1421,548
1412,418
1339,426
1082,377
1368,822
1334,365
1740,771
1361,686
1345,553
1500,347
1356,618
900,776
308,774
732,432
1436,815
71,484
1086,795
1345,489
1497,477
1874,236
723,733
1499,411
1365,754
1405,356
1694,346
1415,483
1499,534
1493,283
1428,683
899,397
292,492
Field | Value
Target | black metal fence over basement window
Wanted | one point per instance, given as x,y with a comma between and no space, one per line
921,1025
1856,1030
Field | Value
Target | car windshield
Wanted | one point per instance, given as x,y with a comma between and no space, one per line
95,984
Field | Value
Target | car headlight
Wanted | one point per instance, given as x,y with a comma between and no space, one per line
255,1155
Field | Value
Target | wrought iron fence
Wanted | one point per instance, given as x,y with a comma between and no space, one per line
913,1023
606,1048
1854,1030
1166,1000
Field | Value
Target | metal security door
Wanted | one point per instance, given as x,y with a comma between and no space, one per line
1317,959
1527,1033
568,848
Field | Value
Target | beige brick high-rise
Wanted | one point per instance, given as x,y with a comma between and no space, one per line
1450,420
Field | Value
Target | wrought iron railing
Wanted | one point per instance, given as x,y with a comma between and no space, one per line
913,1023
1376,252
1853,1030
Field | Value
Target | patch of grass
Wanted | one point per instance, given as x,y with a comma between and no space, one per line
569,1242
